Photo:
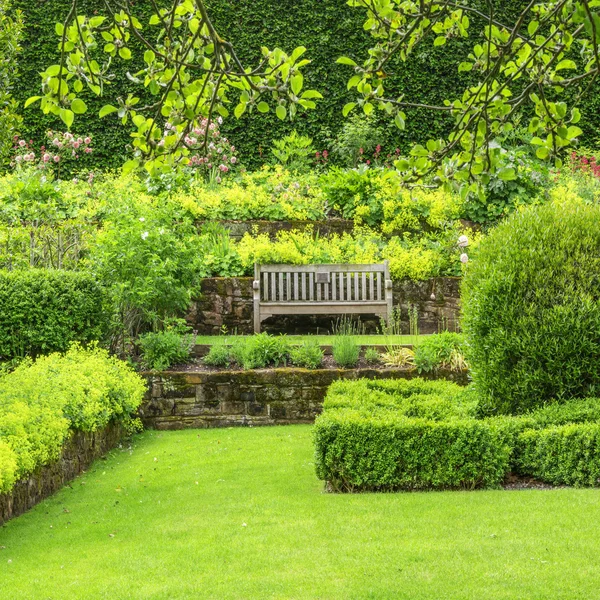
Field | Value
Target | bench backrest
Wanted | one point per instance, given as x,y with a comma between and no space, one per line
322,283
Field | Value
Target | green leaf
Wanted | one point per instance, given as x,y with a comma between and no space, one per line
149,57
439,41
130,166
31,100
575,116
507,174
297,53
532,27
59,28
239,110
368,108
106,110
465,67
542,153
281,112
125,53
223,111
67,116
348,108
78,106
565,64
297,81
402,164
354,81
311,94
573,132
263,107
344,60
154,20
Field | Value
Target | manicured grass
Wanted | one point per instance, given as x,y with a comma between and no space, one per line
327,340
239,513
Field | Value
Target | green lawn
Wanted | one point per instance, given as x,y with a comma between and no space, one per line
327,340
239,513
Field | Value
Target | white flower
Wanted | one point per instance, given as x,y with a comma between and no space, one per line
463,241
142,219
145,235
464,258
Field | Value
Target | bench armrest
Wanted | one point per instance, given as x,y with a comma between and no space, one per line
388,284
256,285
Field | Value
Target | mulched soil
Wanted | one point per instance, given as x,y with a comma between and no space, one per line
515,482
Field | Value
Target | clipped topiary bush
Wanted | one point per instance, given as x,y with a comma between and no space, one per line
531,309
44,311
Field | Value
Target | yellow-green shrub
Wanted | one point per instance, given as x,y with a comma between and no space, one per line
41,402
271,194
411,209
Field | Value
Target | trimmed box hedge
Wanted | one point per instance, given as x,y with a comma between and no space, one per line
414,435
44,311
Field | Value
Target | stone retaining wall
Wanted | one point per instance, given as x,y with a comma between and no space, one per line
77,455
260,397
237,229
227,302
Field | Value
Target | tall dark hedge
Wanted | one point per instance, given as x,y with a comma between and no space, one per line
43,311
531,309
328,28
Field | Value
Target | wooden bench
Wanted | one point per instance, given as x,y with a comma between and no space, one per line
321,290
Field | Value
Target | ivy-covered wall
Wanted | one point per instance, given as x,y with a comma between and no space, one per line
328,28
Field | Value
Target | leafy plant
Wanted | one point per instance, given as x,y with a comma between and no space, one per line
308,354
359,136
219,354
260,350
398,357
372,356
163,349
440,351
294,151
345,347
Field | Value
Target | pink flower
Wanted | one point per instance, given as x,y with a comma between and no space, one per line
46,157
57,158
88,140
22,143
464,258
88,150
463,241
233,160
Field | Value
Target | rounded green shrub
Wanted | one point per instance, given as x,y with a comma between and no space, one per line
531,308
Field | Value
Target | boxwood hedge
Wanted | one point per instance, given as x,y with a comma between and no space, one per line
413,435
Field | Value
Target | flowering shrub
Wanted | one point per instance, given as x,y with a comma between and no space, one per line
60,147
584,164
208,151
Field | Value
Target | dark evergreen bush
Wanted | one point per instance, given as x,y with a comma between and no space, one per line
43,311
